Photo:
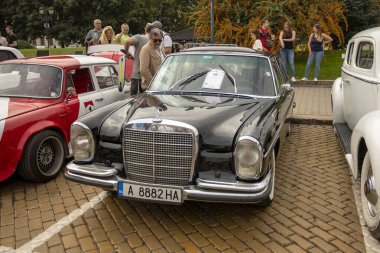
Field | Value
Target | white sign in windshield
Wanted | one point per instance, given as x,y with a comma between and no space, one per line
214,79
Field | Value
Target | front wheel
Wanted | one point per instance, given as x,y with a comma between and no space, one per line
43,157
369,198
272,169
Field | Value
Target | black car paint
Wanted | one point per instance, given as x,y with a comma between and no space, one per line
219,125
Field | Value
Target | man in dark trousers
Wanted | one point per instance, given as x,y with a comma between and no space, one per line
138,41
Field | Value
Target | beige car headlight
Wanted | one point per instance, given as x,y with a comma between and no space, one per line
248,158
82,142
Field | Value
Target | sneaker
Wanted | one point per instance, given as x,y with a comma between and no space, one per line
293,79
315,79
304,79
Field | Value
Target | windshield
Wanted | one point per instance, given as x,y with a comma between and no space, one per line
30,80
250,75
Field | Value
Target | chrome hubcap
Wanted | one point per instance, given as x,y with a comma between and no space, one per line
370,193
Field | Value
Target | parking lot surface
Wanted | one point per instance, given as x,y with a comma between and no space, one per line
313,211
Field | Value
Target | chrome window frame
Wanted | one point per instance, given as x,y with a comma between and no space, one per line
221,53
40,64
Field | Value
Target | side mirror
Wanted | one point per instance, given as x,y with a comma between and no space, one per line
286,87
121,81
70,93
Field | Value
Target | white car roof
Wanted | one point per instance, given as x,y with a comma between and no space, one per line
372,32
85,59
13,50
108,47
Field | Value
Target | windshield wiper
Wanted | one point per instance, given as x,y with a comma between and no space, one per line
189,79
230,77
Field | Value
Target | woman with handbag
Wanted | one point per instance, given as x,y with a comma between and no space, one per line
266,36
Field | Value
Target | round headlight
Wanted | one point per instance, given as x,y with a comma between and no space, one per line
248,158
82,142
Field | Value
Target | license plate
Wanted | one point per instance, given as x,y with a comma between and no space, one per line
152,193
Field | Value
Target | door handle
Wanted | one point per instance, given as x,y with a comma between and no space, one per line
99,99
346,81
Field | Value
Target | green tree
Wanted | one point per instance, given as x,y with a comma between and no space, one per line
361,15
235,19
24,18
73,19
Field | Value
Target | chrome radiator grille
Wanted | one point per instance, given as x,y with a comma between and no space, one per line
158,157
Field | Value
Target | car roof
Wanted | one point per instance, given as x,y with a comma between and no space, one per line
226,49
64,61
372,32
13,50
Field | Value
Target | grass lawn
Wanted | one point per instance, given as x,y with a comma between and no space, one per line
52,51
330,67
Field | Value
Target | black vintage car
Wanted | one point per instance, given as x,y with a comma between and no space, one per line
208,129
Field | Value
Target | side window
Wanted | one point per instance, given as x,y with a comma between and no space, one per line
5,55
277,73
69,82
349,53
364,57
284,74
11,56
82,81
105,76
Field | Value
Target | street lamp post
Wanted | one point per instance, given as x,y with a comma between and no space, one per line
212,22
47,14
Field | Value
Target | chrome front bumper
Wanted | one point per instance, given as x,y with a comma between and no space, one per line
204,190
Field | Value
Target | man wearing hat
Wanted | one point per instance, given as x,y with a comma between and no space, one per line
167,41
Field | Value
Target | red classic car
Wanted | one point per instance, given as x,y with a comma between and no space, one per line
39,99
113,52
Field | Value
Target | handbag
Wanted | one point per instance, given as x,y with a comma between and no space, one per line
269,43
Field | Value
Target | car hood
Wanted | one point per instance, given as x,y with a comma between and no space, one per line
10,107
217,119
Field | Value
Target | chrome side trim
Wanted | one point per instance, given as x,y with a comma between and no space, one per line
205,191
96,170
274,140
360,78
236,186
213,93
194,194
105,183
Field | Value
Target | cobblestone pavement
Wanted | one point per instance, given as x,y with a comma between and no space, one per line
313,102
313,211
314,106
